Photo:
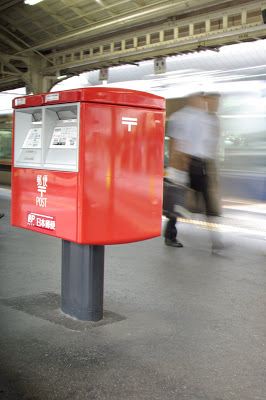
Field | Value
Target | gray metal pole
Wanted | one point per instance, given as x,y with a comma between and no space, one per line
82,281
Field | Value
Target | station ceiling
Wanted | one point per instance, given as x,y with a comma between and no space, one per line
67,37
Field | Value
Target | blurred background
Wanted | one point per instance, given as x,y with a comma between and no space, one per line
236,71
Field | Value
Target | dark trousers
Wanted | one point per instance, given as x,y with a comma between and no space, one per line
199,180
171,231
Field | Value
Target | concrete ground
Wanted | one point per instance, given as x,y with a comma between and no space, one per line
179,324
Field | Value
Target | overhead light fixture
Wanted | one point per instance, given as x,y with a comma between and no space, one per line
32,2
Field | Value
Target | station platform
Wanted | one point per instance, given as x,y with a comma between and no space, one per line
179,323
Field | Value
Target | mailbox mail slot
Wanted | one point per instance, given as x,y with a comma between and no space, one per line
88,165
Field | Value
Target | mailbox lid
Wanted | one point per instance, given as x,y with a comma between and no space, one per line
104,95
125,97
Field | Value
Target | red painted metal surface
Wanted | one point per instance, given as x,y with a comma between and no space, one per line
122,177
27,101
116,195
36,210
102,95
122,97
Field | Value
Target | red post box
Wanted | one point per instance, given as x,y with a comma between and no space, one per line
88,168
88,165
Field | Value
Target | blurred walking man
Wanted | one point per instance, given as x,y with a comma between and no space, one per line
196,130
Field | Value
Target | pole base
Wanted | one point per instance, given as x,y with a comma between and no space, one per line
82,281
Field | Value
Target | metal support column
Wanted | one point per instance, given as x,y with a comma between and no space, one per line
82,281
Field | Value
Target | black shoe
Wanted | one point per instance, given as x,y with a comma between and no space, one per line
2,215
173,243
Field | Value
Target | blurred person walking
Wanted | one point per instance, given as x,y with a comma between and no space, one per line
196,130
181,124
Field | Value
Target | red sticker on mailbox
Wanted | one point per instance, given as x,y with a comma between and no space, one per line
44,222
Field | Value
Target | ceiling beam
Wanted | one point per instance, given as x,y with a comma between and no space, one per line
10,42
140,3
59,19
9,4
103,6
113,23
10,66
81,14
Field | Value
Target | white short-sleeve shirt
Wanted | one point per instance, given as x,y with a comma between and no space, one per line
190,127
